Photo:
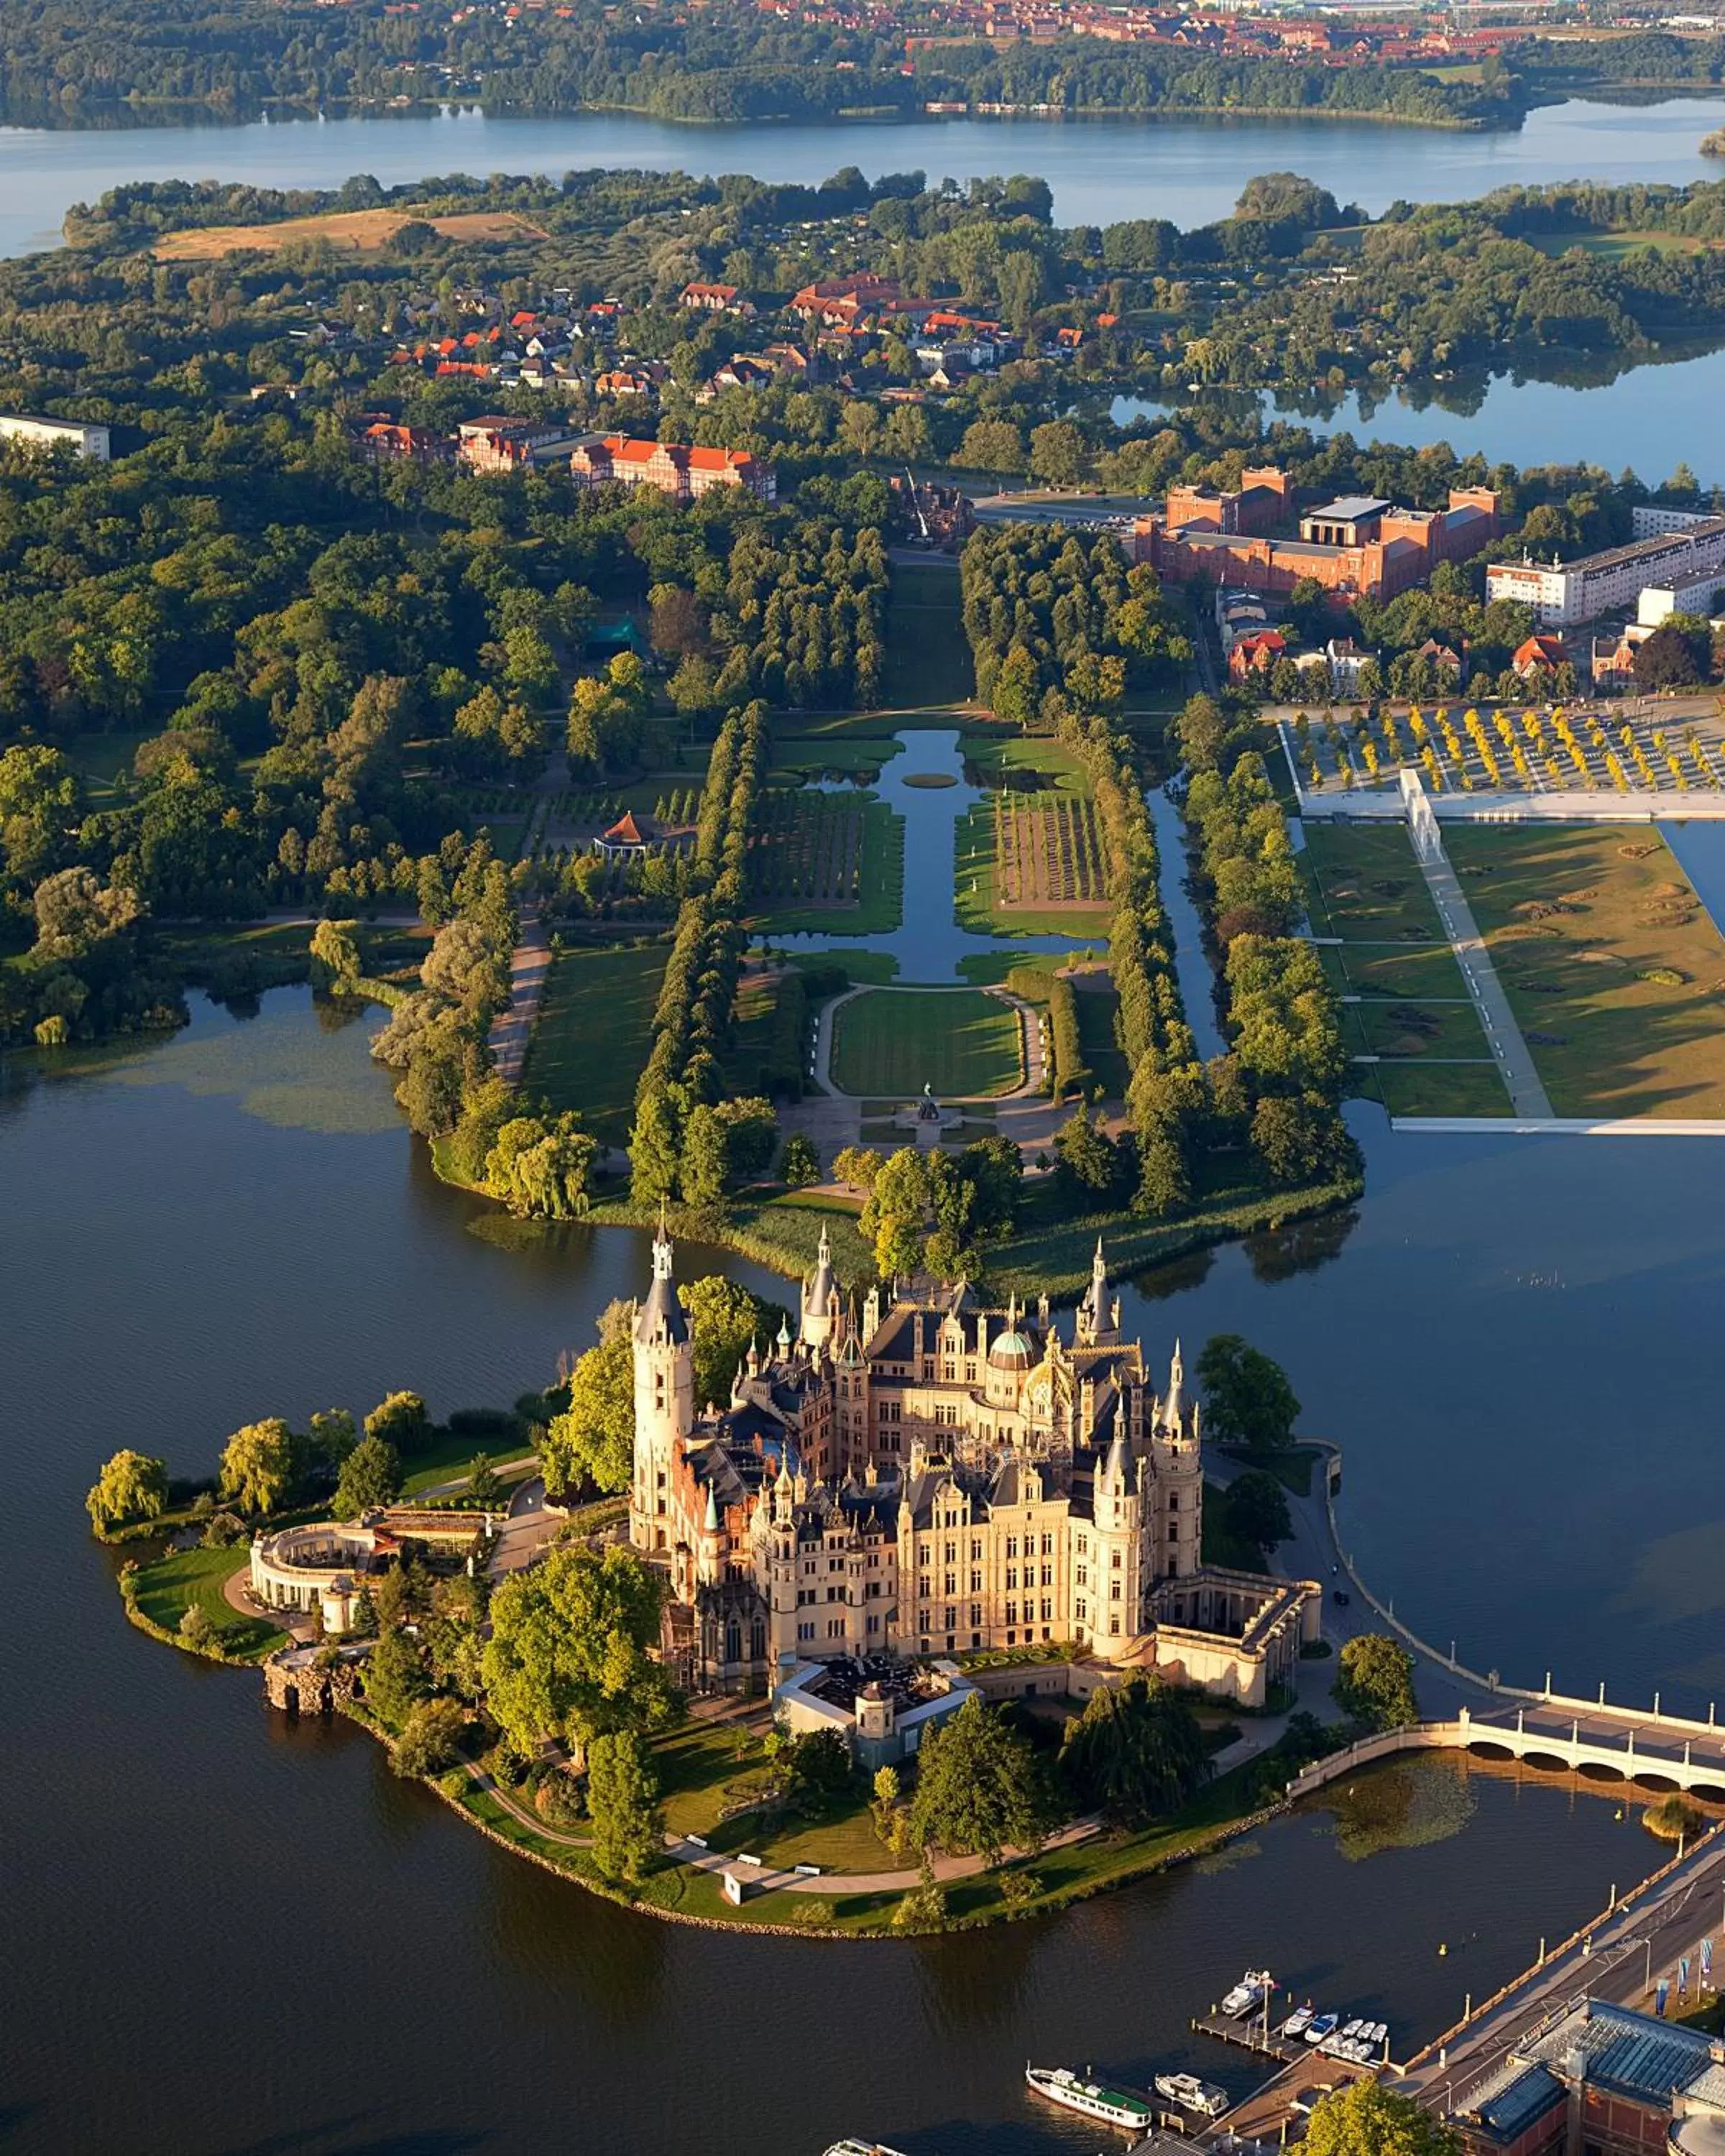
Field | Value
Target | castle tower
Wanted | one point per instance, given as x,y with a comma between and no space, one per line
1099,1313
822,1309
711,1560
1122,1560
1176,1524
665,1401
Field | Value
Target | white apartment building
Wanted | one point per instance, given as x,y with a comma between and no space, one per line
88,441
1651,523
1563,593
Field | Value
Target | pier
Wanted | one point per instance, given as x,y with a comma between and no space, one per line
1251,2035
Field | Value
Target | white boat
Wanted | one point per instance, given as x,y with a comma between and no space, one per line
1297,2023
861,2149
1324,2026
1188,2093
1378,2034
1352,2029
1114,2106
1250,1992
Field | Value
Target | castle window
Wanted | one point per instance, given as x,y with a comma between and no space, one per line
970,1373
805,1631
1084,1575
949,1373
836,1628
1174,1501
733,1643
1012,1575
1113,1624
1047,1608
1048,1575
1114,1590
1078,1610
952,1553
1012,1639
975,1580
976,1550
1012,1545
1048,1545
1114,1559
874,1625
951,1584
1174,1531
951,1619
1012,1613
976,1613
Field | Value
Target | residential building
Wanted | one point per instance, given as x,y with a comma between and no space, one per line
504,445
675,468
934,1476
1561,593
1698,595
1539,654
83,439
1649,522
716,300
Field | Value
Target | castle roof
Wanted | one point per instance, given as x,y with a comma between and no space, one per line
660,1319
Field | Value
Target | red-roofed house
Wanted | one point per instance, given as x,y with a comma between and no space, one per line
675,468
1540,653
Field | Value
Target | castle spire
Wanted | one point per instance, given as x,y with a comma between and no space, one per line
1174,1407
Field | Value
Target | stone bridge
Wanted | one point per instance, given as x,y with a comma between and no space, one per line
1658,1751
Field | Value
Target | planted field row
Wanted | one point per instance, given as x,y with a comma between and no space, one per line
1047,852
1531,751
808,848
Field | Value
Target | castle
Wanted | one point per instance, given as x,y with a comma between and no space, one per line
934,1477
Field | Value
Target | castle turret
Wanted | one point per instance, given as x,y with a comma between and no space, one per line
664,1399
822,1308
1098,1314
709,1563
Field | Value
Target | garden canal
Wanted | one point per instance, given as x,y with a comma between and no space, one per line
1512,1342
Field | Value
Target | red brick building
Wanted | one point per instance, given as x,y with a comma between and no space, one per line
1360,549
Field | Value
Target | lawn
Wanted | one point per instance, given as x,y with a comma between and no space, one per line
1098,1006
1438,1088
102,760
893,1041
1415,975
593,1032
167,1589
928,653
1363,883
1576,917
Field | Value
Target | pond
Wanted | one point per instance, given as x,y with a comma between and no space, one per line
926,783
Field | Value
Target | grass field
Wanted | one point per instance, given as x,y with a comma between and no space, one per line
927,654
168,1588
1098,1006
352,231
1576,917
894,1041
592,1035
1363,885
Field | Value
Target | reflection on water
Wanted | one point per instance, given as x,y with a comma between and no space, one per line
1650,418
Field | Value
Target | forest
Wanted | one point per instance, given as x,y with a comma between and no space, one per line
725,62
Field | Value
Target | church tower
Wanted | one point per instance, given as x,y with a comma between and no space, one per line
665,1401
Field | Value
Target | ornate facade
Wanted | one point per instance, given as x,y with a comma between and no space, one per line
928,1476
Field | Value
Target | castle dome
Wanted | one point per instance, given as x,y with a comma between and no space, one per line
1011,1352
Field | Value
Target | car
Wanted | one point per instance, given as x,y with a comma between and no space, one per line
1342,1597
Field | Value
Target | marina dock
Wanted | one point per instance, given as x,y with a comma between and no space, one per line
1250,2036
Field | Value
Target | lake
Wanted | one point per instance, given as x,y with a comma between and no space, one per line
1650,419
1191,170
230,1934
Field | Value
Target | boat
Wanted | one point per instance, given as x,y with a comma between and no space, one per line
1188,2093
1297,2022
1115,2107
861,2149
1251,1991
1378,2034
1324,2025
1352,2029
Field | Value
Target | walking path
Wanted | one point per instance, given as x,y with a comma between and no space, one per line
529,969
1528,1096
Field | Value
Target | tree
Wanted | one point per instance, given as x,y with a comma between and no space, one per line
1364,2118
1136,1751
1255,1506
330,1437
198,1630
568,1657
593,1441
723,1318
485,1485
76,911
401,1420
1058,452
977,1792
335,955
430,1738
810,1771
395,1678
706,1161
1375,1685
131,1486
991,445
895,1217
856,1166
1085,1160
1247,1399
1201,730
370,1475
623,1796
799,1163
258,1466
1676,656
1013,698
